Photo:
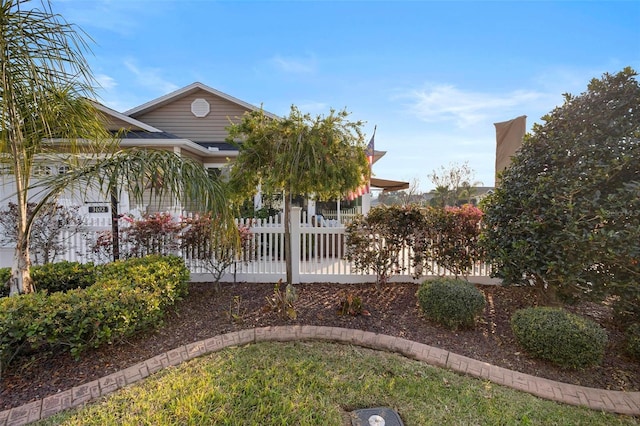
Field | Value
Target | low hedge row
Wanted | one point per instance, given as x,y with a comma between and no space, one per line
126,298
52,277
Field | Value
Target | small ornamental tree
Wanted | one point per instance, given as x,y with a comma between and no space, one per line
567,212
377,242
322,157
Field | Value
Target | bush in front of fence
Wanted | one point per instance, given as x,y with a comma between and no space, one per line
448,238
376,242
52,277
452,302
127,297
566,339
391,238
63,276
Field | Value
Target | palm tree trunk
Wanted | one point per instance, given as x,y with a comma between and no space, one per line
20,276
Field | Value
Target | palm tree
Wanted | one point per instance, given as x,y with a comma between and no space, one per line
46,115
44,80
441,196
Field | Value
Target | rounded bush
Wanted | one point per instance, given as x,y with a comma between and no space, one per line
453,303
633,341
559,336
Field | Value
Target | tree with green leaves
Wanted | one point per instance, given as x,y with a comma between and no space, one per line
567,212
454,185
46,116
322,157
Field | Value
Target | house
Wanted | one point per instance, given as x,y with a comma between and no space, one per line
191,122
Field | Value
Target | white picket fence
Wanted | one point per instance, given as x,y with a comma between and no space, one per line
318,251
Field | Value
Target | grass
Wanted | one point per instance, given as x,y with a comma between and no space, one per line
317,383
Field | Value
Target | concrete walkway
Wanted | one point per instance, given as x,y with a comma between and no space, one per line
597,399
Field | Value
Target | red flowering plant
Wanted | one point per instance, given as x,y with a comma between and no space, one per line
156,233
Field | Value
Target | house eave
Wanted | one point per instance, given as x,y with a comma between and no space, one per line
185,144
129,120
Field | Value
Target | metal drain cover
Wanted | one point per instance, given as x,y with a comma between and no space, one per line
379,416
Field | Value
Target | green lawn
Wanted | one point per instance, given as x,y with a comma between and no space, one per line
303,383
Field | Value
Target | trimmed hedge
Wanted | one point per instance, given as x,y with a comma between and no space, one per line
52,277
559,336
451,302
63,276
127,297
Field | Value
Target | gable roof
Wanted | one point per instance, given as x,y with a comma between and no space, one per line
170,97
136,125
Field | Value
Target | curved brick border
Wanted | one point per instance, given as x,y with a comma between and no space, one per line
597,399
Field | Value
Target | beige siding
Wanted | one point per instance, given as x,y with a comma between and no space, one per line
177,118
115,124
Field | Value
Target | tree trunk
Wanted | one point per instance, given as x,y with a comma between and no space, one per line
547,292
115,230
287,238
20,281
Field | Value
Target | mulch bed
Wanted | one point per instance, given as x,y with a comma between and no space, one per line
209,311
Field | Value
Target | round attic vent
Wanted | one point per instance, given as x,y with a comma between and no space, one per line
200,108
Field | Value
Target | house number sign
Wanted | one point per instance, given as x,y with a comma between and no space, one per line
98,209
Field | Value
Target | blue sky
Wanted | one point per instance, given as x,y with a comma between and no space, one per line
432,76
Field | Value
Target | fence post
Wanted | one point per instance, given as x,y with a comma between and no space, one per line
295,228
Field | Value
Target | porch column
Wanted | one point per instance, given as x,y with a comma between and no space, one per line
366,203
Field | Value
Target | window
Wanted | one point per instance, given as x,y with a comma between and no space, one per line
40,170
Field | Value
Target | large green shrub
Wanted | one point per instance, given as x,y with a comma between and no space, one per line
566,211
559,336
633,341
5,274
127,297
451,302
63,276
626,308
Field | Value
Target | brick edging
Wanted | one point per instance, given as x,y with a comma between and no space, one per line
598,399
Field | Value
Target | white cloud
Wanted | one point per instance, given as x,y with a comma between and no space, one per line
105,82
150,78
314,108
294,65
446,103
